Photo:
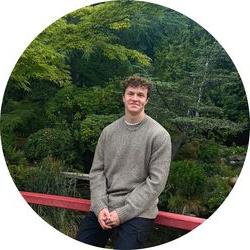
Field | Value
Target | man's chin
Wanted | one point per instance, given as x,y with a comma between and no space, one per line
134,112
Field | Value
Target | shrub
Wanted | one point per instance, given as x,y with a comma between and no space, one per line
15,156
209,152
73,103
220,170
23,176
187,179
176,203
189,151
50,141
233,150
211,169
46,178
218,190
91,129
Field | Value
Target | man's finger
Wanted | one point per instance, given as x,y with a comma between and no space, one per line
107,214
109,223
104,225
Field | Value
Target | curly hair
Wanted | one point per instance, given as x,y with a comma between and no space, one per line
137,81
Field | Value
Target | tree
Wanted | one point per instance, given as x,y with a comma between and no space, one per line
194,68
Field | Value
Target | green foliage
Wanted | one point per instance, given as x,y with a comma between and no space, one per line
93,30
189,151
233,150
47,178
74,104
176,203
187,179
218,190
208,127
64,220
44,178
15,121
41,62
50,141
209,152
205,80
91,129
15,156
226,171
211,169
232,97
17,115
22,176
65,89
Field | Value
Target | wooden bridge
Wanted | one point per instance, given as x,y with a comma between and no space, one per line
173,220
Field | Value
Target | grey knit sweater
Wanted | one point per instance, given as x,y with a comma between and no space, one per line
130,168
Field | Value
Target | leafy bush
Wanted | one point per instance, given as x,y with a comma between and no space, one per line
50,141
47,178
15,157
176,203
209,152
218,190
228,171
233,150
74,103
23,176
16,117
189,151
211,169
218,129
187,179
91,129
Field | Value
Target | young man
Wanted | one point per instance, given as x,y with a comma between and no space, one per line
129,171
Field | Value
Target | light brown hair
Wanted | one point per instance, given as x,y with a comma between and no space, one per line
137,81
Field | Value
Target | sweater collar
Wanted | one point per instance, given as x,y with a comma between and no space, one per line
133,127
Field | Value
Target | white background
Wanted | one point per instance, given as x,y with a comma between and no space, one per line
21,21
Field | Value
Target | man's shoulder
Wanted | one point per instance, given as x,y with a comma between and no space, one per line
156,127
113,126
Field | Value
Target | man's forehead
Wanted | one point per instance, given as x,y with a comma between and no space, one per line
137,88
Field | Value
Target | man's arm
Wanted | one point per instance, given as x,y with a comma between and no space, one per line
98,189
148,191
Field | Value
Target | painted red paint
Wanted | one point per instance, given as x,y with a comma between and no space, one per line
167,219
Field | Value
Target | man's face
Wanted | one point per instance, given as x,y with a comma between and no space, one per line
135,99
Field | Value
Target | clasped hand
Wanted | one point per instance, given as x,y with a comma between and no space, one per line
107,219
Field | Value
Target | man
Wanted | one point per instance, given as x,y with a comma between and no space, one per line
129,171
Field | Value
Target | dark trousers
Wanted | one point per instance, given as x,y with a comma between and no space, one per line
130,235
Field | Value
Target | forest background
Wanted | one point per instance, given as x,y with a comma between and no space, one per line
65,89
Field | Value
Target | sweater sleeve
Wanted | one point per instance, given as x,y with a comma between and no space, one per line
148,191
98,189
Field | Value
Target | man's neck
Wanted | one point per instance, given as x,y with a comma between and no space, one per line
137,118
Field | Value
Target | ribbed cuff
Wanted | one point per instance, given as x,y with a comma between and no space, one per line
97,207
124,213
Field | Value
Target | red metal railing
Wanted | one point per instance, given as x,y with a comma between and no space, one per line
167,219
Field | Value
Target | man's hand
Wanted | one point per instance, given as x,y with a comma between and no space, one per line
104,216
114,220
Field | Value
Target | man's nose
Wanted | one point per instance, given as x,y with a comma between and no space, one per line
134,97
